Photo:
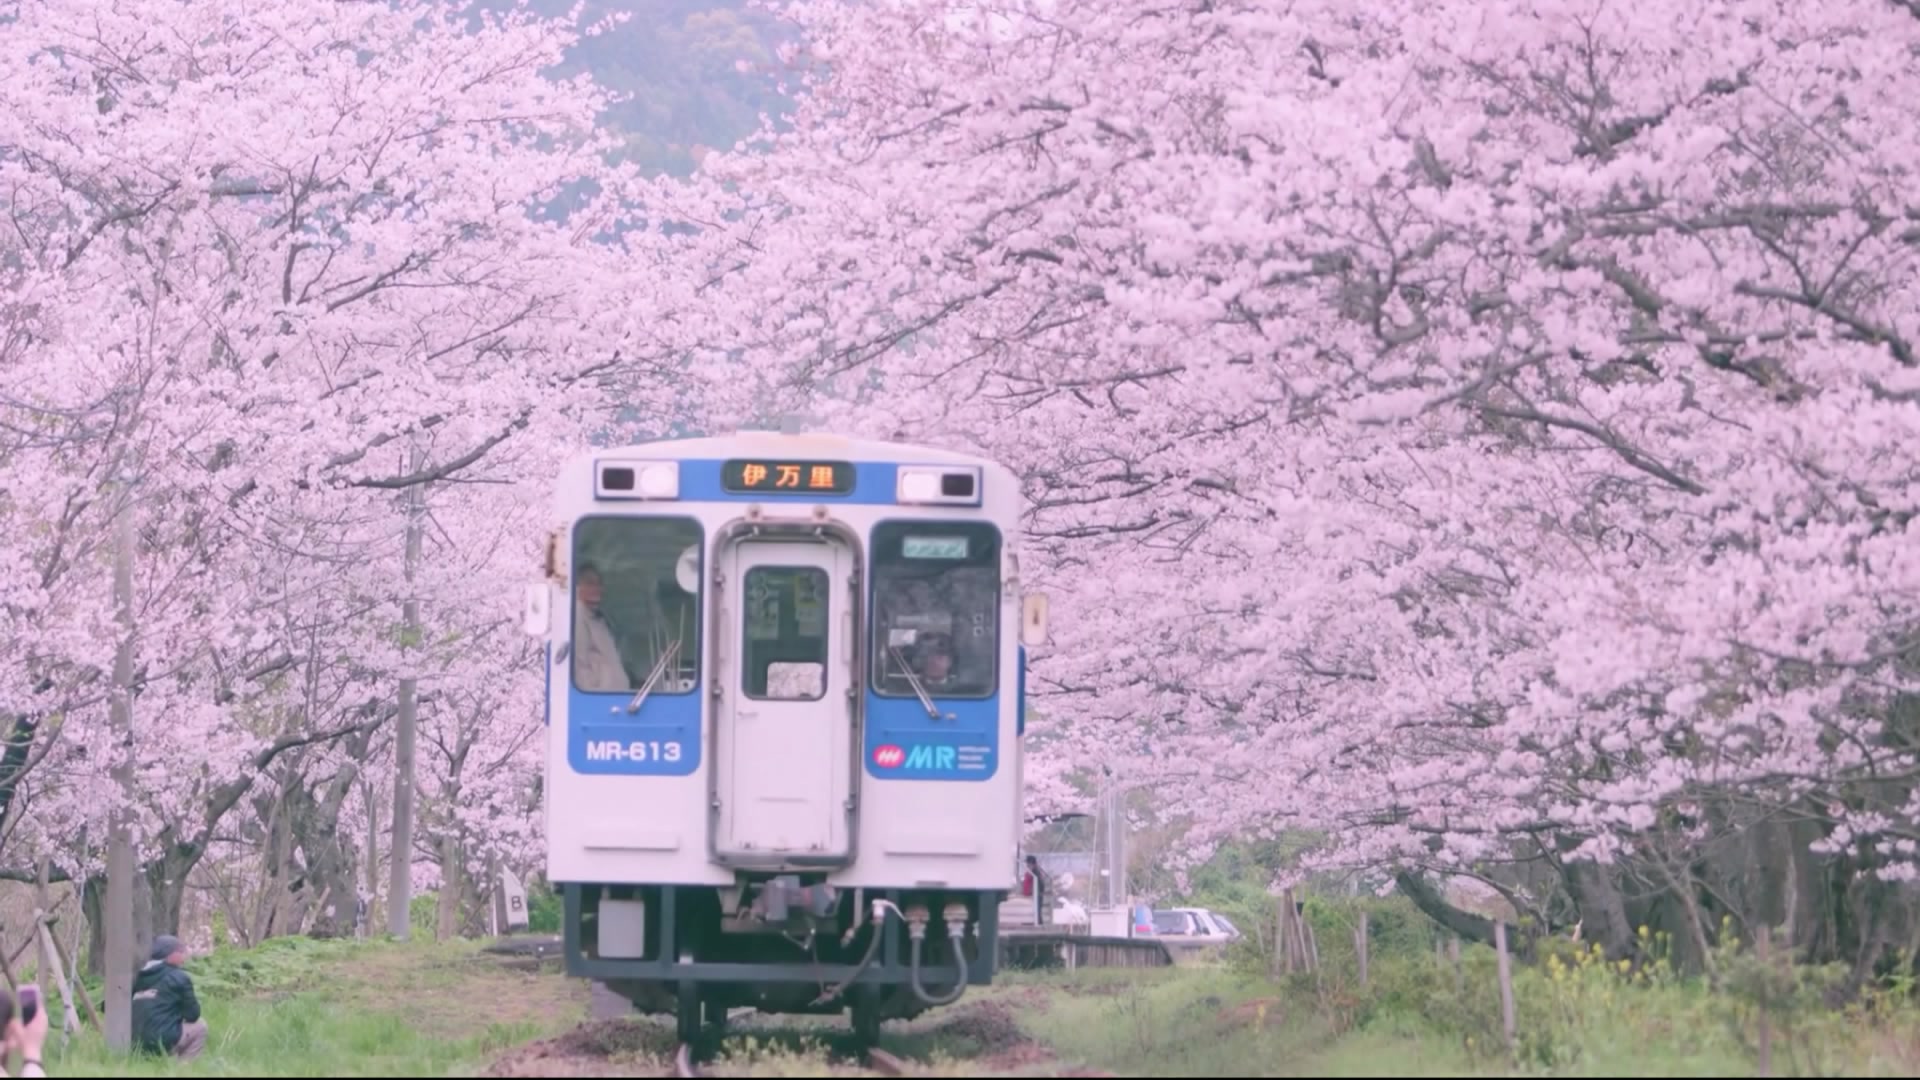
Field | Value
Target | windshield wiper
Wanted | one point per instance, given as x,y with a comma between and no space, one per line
914,681
653,677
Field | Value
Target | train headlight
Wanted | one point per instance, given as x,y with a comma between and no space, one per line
637,480
952,486
660,480
919,486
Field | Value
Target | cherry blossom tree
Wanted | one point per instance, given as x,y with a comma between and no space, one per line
279,279
1481,430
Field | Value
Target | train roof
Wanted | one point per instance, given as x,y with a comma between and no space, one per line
817,445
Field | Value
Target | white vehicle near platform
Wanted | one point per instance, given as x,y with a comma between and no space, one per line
1193,930
785,709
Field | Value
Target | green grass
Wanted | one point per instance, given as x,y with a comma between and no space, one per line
1200,1022
304,1008
297,1007
1574,1019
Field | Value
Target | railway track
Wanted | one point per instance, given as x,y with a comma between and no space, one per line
878,1060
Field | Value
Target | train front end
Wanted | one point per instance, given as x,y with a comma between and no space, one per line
784,709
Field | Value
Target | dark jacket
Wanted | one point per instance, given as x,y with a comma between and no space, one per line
163,1000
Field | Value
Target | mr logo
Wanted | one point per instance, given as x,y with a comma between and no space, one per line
932,757
920,757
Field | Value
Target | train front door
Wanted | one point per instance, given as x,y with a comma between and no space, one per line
784,725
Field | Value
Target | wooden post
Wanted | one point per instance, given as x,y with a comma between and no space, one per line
1506,980
68,993
1290,934
1360,948
1313,949
1299,924
43,901
6,969
1281,906
1763,948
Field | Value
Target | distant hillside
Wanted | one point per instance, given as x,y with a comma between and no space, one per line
680,60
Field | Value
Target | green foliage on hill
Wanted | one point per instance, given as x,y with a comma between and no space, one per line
678,62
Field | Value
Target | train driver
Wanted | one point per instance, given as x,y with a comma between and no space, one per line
597,666
935,653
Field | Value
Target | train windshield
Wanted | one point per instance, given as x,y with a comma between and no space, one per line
786,652
936,608
636,604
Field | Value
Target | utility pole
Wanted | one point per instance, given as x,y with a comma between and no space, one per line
120,959
400,888
1111,835
1104,870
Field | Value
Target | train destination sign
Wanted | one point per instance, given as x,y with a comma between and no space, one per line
749,476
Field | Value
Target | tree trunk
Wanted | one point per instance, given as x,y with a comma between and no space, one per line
1603,913
329,875
93,903
118,912
452,885
1464,923
496,897
16,755
371,796
167,884
1787,885
400,896
476,903
276,857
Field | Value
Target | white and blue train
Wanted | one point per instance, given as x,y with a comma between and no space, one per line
785,698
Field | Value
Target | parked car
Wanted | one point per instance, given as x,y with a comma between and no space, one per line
1193,924
1220,920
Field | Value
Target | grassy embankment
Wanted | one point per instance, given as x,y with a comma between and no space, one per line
302,1008
1422,1015
297,1007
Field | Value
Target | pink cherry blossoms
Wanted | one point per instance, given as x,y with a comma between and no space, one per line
1482,431
1479,432
269,270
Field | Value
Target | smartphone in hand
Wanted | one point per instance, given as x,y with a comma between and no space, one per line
29,1003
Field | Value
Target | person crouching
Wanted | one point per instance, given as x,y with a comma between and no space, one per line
166,1014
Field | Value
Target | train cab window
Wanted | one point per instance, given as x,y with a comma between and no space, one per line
936,608
636,604
786,634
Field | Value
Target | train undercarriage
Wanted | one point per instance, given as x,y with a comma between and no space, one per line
782,944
